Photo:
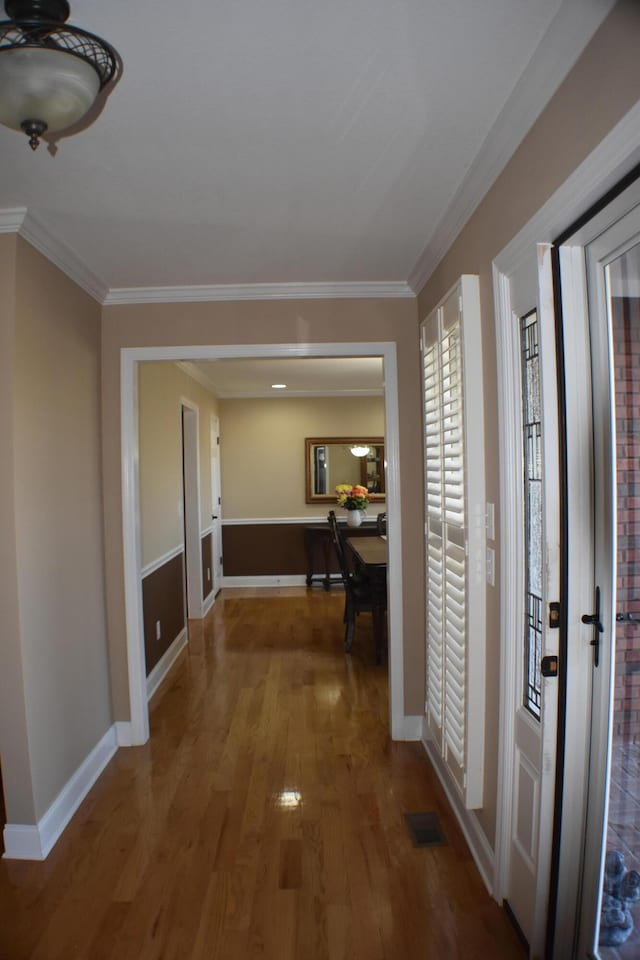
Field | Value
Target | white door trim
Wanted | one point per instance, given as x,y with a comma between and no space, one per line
129,359
191,505
509,417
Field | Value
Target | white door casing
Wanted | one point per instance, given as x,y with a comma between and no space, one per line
401,727
216,506
191,493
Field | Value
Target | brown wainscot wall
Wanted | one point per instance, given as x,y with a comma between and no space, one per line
206,546
280,549
163,600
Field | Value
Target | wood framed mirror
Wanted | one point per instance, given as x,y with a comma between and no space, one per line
333,460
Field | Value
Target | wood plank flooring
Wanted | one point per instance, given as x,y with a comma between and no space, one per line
264,818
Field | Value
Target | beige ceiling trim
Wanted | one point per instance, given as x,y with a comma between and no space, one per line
567,36
260,291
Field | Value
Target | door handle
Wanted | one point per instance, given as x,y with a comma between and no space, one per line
594,619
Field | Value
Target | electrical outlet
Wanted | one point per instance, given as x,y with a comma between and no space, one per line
158,630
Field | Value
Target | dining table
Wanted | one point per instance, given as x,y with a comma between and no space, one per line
369,555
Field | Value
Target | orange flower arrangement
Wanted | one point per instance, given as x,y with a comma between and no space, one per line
352,497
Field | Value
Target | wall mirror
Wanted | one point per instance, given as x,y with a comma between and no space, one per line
333,460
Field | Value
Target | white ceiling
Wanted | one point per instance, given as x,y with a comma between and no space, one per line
290,141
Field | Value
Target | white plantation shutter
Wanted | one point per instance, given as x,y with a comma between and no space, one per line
454,535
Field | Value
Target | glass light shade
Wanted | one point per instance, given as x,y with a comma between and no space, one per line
48,85
360,451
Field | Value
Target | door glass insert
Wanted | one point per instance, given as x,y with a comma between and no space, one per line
619,936
532,466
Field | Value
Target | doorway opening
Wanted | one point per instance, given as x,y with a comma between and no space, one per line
130,358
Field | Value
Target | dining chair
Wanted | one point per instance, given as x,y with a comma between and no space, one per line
358,596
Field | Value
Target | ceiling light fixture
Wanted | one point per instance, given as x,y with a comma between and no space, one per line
359,451
278,386
50,73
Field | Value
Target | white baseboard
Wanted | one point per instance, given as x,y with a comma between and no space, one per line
407,728
124,733
207,603
35,841
479,846
166,661
22,842
291,580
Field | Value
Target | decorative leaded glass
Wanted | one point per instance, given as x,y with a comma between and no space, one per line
532,463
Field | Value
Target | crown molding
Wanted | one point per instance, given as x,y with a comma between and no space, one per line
196,374
19,220
298,394
260,291
11,220
568,34
55,250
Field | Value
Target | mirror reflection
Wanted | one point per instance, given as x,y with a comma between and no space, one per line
333,460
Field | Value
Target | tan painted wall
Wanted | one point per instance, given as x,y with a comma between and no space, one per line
263,450
58,523
161,386
14,743
266,322
602,87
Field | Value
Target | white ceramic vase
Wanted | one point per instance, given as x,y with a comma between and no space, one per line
354,518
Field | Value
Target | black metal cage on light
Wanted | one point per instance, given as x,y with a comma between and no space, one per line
50,72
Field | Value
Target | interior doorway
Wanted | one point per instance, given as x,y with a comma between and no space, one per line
130,357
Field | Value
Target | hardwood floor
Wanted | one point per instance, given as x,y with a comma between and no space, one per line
264,818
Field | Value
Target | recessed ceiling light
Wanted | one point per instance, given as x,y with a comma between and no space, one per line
278,386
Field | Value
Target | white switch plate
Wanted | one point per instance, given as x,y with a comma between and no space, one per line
491,564
491,521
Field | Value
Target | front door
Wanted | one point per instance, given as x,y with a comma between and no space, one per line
600,850
529,585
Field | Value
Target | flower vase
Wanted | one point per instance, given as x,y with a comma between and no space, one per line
354,518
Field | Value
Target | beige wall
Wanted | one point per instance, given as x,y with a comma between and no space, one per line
14,743
161,388
58,534
311,321
263,451
602,87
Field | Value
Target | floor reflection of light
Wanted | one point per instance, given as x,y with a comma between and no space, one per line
289,799
329,695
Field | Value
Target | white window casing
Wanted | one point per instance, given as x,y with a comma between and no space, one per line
455,535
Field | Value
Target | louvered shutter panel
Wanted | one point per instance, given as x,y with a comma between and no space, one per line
433,507
455,578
